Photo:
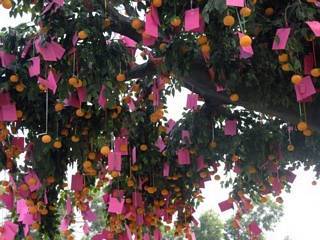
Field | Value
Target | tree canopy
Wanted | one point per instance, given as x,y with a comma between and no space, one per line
71,83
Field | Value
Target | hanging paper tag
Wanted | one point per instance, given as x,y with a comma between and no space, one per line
192,19
281,39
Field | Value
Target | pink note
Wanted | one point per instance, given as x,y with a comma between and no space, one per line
315,27
10,231
134,155
26,49
6,59
225,205
157,234
148,40
8,113
276,186
73,100
281,39
50,51
245,52
64,224
75,39
121,145
19,143
5,98
192,101
166,169
160,144
185,136
52,82
128,42
201,163
254,228
308,63
82,94
34,67
102,99
183,156
68,206
219,88
137,199
128,232
131,105
77,182
146,236
151,27
7,200
114,161
230,128
115,205
170,125
89,215
235,3
192,19
86,228
304,89
155,15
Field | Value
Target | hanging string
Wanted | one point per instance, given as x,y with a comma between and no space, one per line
213,128
74,64
191,3
289,132
300,112
47,110
305,112
314,54
240,23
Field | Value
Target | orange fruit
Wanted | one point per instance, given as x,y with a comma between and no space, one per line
202,39
80,113
136,23
7,4
14,78
302,126
245,41
315,72
228,21
175,21
143,147
121,77
57,144
46,138
283,58
20,87
75,139
290,148
58,107
307,132
157,3
217,177
72,81
286,67
296,79
92,155
234,97
205,49
19,114
162,47
82,35
105,150
269,11
245,12
107,22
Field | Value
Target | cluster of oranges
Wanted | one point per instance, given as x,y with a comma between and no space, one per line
18,84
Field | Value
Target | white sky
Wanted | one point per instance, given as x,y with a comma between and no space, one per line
301,209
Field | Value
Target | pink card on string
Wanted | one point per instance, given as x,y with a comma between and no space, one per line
201,163
230,128
202,26
7,200
254,228
34,67
148,40
52,82
18,142
225,205
235,3
304,89
185,136
160,144
77,182
192,101
102,99
151,27
121,145
170,125
114,161
192,19
315,27
308,63
4,98
89,215
73,101
10,231
281,39
157,234
82,94
115,205
8,113
183,156
6,59
137,199
128,42
68,206
155,15
26,49
166,169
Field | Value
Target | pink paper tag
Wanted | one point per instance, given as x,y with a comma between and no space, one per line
128,42
192,19
166,169
185,136
102,99
26,49
192,101
160,144
82,94
157,234
148,40
235,3
52,82
121,145
281,39
315,27
170,125
115,205
308,63
230,128
8,113
4,98
35,186
254,228
68,206
6,59
200,163
10,231
151,27
34,68
77,182
183,156
304,89
86,228
114,161
225,205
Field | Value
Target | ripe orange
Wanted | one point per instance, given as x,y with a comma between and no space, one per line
58,107
234,97
7,4
14,78
315,72
82,35
136,23
283,58
205,49
57,144
175,21
46,138
245,12
157,3
105,150
296,79
143,147
202,39
228,21
269,11
121,77
302,126
245,41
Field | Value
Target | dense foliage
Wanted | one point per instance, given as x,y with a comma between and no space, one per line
69,80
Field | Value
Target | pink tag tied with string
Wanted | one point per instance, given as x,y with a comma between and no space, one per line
254,228
308,63
34,67
102,99
315,27
183,156
304,89
192,19
77,182
114,161
225,205
281,39
151,27
192,101
230,128
8,113
115,205
235,3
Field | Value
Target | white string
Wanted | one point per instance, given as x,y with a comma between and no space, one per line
239,19
47,109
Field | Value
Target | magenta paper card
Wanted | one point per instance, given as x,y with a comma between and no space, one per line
308,63
128,42
160,144
82,94
192,101
183,156
102,99
192,19
166,169
304,89
4,98
225,205
235,3
8,113
114,161
170,125
151,27
281,39
201,163
77,182
254,228
315,27
34,67
230,128
115,205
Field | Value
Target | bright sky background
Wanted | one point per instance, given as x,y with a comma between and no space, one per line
301,206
